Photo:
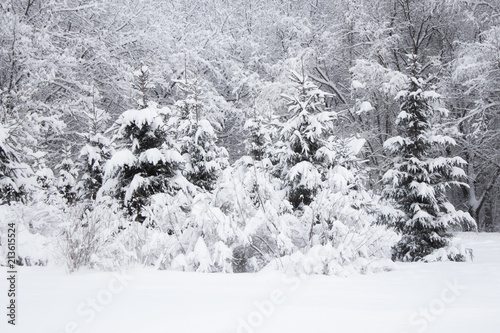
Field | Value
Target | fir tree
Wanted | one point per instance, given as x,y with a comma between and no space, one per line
14,175
68,173
204,158
259,138
420,175
148,162
94,156
304,151
95,153
142,84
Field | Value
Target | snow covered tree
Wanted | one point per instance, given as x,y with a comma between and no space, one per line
204,158
475,102
259,138
148,162
142,84
14,175
304,151
420,175
95,153
68,173
94,156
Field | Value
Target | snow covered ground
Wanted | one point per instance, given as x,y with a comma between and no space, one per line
418,297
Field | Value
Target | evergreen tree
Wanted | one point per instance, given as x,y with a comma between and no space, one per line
259,139
68,173
304,150
142,84
420,175
14,175
94,154
149,162
204,158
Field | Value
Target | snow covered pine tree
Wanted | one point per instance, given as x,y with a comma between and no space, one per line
204,159
68,174
259,138
420,175
14,175
303,151
148,163
94,154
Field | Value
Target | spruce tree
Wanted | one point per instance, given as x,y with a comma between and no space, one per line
68,173
304,150
148,162
14,175
204,158
142,84
259,138
94,156
95,153
420,175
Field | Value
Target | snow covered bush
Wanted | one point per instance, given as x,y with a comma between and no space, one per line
37,225
239,227
254,202
340,236
100,236
420,175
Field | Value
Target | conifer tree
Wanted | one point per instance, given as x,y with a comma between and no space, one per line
259,138
68,173
95,153
420,175
204,158
14,175
304,152
148,161
142,84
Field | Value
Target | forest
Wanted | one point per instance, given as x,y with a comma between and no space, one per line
227,136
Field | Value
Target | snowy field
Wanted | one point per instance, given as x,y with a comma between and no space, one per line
417,297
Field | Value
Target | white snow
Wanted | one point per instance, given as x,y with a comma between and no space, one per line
201,255
137,182
431,94
442,140
307,174
365,107
152,156
355,84
423,190
394,143
418,297
355,145
45,172
118,160
150,116
92,153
